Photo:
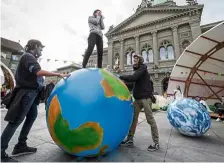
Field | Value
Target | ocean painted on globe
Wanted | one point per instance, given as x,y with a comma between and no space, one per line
90,113
189,117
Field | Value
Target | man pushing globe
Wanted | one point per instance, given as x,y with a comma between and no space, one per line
89,113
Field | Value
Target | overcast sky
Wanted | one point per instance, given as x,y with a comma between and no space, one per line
62,25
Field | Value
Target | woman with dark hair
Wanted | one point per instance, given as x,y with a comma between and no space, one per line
178,93
96,26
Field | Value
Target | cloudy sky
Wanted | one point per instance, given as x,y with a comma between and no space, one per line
62,25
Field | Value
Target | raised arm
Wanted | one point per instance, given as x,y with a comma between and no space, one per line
94,20
133,78
102,23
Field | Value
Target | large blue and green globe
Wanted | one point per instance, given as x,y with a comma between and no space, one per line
89,113
189,117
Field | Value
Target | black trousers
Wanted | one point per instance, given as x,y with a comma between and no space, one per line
28,110
94,39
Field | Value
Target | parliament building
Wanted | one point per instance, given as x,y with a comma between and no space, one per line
159,32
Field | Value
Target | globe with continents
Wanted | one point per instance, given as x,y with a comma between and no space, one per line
89,113
189,117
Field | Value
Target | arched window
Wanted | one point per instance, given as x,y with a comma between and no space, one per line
150,55
129,56
170,52
117,58
162,52
147,53
166,51
132,55
145,56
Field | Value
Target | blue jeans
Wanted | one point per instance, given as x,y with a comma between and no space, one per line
28,110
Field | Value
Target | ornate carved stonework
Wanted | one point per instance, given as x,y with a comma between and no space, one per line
184,35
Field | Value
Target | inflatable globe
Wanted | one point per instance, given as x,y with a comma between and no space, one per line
189,117
89,113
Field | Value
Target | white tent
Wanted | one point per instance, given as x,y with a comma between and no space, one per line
2,76
6,74
200,69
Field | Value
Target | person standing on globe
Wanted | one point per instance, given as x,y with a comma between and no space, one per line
23,102
96,26
143,94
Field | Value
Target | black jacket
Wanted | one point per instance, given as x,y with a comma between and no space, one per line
130,85
143,85
48,90
13,103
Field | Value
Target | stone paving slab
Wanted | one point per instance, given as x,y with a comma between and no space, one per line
173,146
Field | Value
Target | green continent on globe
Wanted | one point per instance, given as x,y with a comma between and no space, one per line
114,87
86,137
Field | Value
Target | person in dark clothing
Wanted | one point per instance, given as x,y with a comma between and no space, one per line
143,99
130,85
96,26
48,89
23,102
220,110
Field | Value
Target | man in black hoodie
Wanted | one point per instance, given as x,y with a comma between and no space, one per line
143,99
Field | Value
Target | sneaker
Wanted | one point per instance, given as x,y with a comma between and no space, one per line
23,150
6,158
152,148
127,142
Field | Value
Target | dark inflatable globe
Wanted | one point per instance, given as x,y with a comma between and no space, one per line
189,117
89,113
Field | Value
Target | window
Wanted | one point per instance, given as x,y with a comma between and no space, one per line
166,51
162,52
170,52
15,57
147,53
145,56
129,56
117,57
150,55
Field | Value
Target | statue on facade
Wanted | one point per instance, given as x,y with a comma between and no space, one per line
191,2
144,4
111,27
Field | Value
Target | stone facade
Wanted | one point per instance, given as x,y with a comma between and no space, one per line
160,33
11,52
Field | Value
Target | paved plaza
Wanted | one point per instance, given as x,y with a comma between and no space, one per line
173,146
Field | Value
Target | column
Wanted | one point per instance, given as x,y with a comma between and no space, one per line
137,49
176,41
110,54
155,48
195,29
122,55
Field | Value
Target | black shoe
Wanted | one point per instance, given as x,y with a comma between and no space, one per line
6,158
17,151
152,148
127,142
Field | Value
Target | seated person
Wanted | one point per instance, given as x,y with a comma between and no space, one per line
204,103
220,110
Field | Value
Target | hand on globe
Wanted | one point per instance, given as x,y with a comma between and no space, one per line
64,75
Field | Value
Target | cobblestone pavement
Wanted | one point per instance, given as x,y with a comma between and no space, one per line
173,146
